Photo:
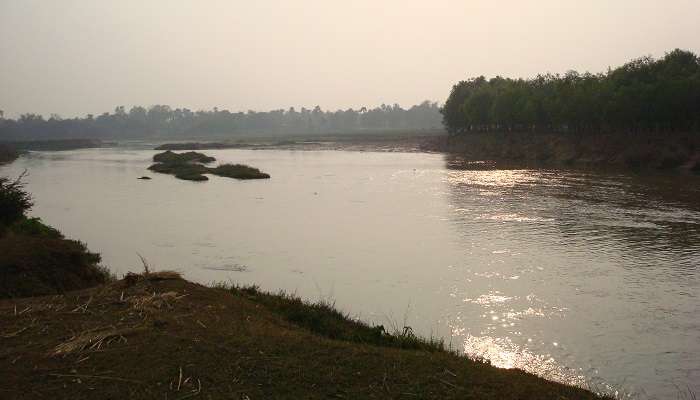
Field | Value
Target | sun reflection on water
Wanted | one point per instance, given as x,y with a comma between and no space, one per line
501,352
495,178
501,313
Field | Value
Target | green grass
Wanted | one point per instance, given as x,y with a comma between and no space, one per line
34,227
322,318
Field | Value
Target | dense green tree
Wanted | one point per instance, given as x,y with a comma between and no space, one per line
14,200
644,95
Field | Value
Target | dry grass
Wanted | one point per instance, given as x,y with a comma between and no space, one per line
142,304
155,301
92,339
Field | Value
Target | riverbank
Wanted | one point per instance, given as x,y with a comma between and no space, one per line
156,335
634,151
36,259
7,154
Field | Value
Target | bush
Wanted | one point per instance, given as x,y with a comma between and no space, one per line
36,265
34,227
14,200
35,259
7,154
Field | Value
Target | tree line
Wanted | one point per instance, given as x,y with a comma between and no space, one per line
644,95
162,120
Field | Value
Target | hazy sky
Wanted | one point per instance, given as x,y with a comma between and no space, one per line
78,57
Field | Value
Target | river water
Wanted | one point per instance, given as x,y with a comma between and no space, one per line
585,277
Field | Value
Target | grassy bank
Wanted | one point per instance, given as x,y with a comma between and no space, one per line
35,259
7,154
638,151
158,336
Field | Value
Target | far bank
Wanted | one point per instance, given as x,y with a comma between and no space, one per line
676,151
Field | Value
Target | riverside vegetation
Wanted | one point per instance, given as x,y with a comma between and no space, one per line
35,259
190,166
644,113
7,154
155,334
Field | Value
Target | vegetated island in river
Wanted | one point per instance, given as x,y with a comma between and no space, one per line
190,166
644,114
69,330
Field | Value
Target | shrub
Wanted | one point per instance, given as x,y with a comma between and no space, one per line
14,200
34,227
34,266
35,259
7,154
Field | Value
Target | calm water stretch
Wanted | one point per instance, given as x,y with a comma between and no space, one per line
586,277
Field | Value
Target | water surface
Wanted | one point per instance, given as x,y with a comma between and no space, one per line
586,277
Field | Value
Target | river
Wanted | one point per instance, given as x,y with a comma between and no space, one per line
587,277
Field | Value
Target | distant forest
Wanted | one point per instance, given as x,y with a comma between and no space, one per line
644,95
163,121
